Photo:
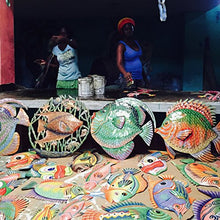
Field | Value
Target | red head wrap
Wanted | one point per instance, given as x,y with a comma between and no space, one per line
124,21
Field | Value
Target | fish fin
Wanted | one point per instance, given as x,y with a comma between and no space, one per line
131,171
143,184
20,205
41,125
12,146
152,183
216,141
118,122
205,155
120,153
30,185
23,118
184,134
113,177
141,114
170,151
91,215
147,132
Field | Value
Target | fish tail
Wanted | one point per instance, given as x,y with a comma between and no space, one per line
130,171
20,205
23,118
216,141
12,146
147,132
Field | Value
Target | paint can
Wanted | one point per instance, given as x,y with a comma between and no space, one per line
85,86
99,84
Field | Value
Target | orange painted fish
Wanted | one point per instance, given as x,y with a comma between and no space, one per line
124,186
57,125
188,128
199,173
9,118
22,160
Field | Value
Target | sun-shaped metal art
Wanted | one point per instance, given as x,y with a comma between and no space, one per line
59,127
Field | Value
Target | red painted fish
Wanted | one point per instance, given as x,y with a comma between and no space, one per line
188,128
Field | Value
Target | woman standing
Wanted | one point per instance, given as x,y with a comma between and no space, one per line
128,56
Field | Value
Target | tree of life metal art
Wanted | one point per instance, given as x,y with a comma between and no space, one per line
59,127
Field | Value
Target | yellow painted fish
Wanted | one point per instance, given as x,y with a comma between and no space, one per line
188,128
46,214
9,118
124,186
57,125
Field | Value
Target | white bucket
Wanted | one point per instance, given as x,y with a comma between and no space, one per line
85,86
99,84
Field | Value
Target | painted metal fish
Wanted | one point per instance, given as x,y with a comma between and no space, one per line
207,208
127,210
188,128
124,186
5,188
57,125
22,160
170,195
9,118
11,206
98,174
116,125
198,173
75,208
55,171
85,160
152,164
47,213
55,191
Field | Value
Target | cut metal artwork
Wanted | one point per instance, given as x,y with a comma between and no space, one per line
84,161
152,164
189,128
116,125
12,206
123,186
207,208
59,127
198,173
169,194
9,118
127,210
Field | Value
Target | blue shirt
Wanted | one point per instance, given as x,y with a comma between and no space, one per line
132,62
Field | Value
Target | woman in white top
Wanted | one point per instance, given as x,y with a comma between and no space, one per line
65,58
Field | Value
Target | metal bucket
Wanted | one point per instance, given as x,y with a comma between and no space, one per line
99,84
85,86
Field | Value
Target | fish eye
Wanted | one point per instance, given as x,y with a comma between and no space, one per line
215,181
150,161
19,157
124,194
157,211
163,183
166,123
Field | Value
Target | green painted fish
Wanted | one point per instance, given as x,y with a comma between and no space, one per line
127,210
188,128
116,125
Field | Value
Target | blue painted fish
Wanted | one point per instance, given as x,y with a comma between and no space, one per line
9,118
188,128
116,125
11,207
170,195
124,186
57,125
199,173
127,210
207,208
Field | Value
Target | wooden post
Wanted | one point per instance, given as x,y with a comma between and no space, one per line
7,60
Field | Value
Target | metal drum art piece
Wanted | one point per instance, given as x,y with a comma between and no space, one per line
59,127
